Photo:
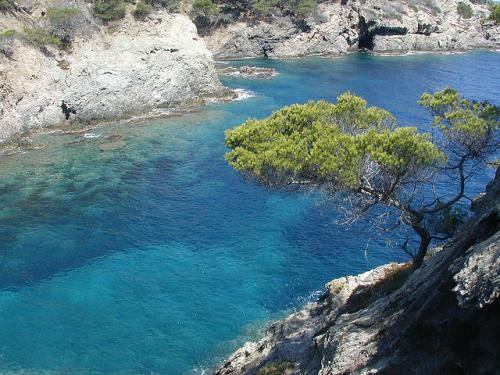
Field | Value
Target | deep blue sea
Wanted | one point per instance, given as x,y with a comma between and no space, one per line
149,255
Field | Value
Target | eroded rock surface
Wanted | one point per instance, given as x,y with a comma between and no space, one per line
338,27
443,318
111,72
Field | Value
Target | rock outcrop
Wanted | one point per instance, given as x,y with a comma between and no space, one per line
249,72
109,73
443,318
338,27
132,67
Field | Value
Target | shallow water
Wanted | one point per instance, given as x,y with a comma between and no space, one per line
137,250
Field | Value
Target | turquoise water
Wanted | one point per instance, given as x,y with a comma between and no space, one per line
146,254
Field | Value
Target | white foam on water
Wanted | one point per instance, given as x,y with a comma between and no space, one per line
198,371
242,94
418,53
91,135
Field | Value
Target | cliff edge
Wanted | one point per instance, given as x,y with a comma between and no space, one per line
337,27
443,318
108,72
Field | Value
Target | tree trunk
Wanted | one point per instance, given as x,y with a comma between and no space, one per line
425,241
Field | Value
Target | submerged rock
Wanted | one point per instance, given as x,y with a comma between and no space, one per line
111,142
443,318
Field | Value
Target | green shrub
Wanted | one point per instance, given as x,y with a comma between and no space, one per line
204,8
41,37
277,368
7,34
142,9
64,23
362,297
302,8
264,7
449,219
109,10
464,10
170,5
6,40
299,8
60,16
495,12
63,64
6,4
111,29
205,15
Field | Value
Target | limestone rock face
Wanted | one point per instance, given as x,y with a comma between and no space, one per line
291,338
335,34
382,26
134,68
443,318
479,280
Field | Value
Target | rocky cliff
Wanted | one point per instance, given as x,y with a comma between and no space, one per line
134,66
340,26
125,68
443,318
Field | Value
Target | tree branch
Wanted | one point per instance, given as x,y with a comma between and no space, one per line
451,202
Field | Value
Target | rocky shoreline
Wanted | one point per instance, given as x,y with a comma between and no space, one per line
20,142
389,320
135,68
131,68
339,27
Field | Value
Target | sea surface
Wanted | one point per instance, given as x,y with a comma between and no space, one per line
135,249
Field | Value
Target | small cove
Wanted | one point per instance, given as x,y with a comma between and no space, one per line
137,250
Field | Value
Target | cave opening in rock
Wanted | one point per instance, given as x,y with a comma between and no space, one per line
368,31
366,35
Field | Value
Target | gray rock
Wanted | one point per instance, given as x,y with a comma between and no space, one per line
291,338
377,25
381,322
249,72
478,281
138,67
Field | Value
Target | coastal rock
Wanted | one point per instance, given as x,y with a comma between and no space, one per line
443,318
131,69
249,72
338,27
290,338
283,38
478,281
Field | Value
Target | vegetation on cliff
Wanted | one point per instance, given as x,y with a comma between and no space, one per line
464,10
59,25
113,10
40,37
296,8
6,4
109,10
207,14
59,30
142,9
202,13
495,12
359,154
63,23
